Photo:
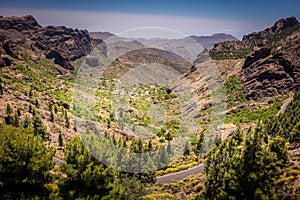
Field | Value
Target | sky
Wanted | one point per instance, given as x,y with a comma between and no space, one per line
193,17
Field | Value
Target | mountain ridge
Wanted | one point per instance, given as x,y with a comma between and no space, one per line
62,44
272,60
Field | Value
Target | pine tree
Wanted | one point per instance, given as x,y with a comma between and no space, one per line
8,109
168,135
55,109
25,164
27,122
245,167
16,120
37,103
108,123
140,145
19,112
30,93
50,107
30,108
9,119
114,141
60,140
150,146
186,150
1,90
199,143
82,168
125,144
39,128
67,120
34,112
51,116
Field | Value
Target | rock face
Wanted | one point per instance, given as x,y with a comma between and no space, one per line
272,59
57,42
282,34
271,76
280,25
258,53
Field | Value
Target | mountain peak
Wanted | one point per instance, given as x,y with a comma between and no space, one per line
282,24
27,22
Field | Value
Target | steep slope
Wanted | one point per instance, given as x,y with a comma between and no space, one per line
54,42
32,61
272,59
284,33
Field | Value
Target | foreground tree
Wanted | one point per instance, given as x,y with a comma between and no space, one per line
245,167
24,164
39,128
85,175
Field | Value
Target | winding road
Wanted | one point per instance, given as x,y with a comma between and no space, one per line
180,175
165,178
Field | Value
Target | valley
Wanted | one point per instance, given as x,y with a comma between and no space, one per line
96,116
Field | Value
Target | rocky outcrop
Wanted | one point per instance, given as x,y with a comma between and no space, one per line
283,34
265,77
56,42
19,23
279,26
258,53
272,59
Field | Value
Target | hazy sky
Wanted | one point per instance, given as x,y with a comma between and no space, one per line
188,17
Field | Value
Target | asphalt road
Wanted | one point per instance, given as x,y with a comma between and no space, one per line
180,175
57,160
165,178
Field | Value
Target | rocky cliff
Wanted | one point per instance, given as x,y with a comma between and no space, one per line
272,59
265,75
55,42
283,34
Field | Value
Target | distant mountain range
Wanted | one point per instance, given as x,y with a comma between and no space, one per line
271,66
206,42
101,35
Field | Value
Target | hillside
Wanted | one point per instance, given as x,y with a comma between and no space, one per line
271,66
37,66
161,100
59,43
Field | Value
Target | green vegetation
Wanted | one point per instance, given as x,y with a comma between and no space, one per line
234,91
1,90
250,165
229,54
242,49
255,164
39,128
60,140
24,164
245,167
287,125
246,115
